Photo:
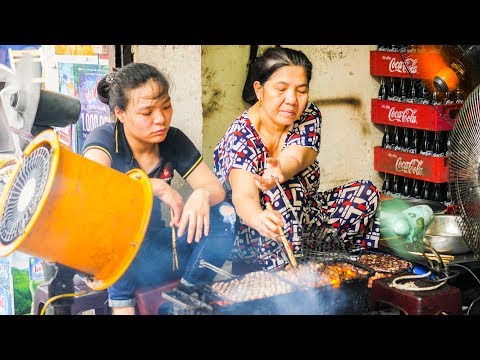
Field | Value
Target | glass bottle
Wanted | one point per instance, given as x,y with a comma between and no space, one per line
459,96
403,90
387,184
412,92
448,196
427,190
387,140
407,187
407,138
416,142
448,144
427,148
393,90
436,98
437,194
423,94
397,138
397,186
438,145
383,91
416,189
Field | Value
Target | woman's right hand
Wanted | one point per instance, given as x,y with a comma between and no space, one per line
269,223
170,197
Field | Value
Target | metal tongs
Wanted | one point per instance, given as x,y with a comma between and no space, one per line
219,271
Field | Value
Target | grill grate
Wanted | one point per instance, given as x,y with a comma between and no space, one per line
25,193
325,246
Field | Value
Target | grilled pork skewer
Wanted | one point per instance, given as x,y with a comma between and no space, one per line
286,245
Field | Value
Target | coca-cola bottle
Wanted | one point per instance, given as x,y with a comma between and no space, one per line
387,184
448,196
436,98
423,94
448,144
397,186
383,91
397,138
427,190
459,96
393,90
407,136
407,187
412,92
448,99
387,139
438,144
427,146
416,142
416,192
437,193
403,91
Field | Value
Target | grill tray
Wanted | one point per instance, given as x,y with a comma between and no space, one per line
351,297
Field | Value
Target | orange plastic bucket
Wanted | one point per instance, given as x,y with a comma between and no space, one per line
88,217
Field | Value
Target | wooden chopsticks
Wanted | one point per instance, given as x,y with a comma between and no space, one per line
285,243
174,245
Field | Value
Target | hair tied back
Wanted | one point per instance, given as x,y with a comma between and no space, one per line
109,78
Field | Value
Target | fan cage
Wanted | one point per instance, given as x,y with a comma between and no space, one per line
25,192
465,168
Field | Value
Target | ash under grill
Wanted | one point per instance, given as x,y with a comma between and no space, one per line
311,288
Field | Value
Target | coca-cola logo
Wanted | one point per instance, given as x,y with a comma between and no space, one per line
413,166
408,65
408,115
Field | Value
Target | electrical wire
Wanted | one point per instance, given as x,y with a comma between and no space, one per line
476,278
410,286
54,298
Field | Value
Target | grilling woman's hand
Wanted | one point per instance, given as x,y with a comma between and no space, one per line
273,171
268,223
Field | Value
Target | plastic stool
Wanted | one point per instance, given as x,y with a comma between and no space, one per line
150,299
93,303
446,299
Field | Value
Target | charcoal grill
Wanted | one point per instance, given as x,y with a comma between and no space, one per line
299,298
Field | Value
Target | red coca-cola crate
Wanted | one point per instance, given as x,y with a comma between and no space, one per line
396,64
416,166
416,116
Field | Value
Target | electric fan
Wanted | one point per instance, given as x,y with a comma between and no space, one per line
26,109
62,207
464,169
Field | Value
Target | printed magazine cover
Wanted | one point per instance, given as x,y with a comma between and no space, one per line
93,112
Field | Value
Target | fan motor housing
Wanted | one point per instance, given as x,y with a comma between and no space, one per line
89,217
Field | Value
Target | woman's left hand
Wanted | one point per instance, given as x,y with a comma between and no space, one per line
267,180
196,214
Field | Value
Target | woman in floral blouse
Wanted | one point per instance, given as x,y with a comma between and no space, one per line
278,140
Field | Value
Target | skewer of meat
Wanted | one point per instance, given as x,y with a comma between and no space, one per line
285,243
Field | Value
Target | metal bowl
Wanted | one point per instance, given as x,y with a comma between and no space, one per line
445,235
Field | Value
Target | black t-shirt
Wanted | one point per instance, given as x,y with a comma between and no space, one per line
177,152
